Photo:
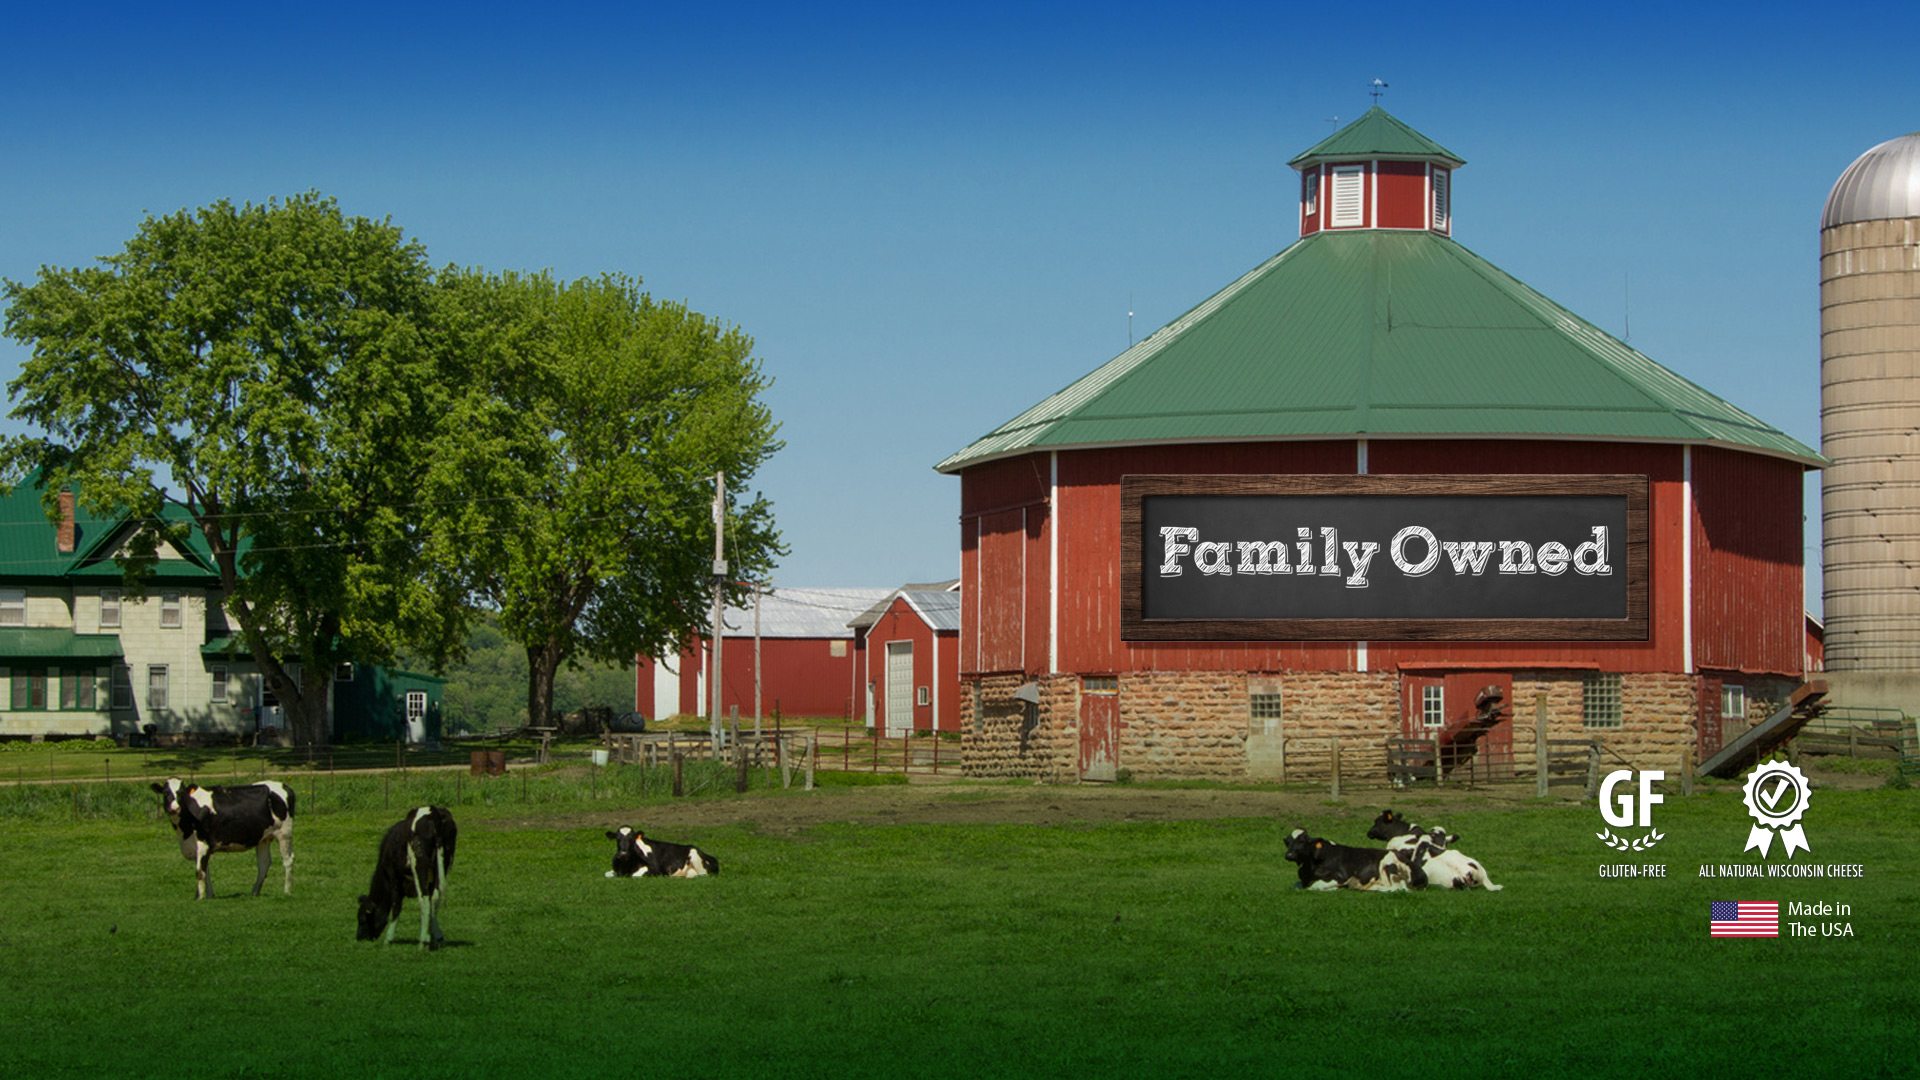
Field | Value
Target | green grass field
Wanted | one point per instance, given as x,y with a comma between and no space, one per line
1168,948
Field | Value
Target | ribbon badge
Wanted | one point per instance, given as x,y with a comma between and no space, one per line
1776,795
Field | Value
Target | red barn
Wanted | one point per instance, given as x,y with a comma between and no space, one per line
806,666
907,653
1371,365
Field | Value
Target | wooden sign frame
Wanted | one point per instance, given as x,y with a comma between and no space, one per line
1635,549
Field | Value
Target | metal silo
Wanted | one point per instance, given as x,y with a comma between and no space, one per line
1870,411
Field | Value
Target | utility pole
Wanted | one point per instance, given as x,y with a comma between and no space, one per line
719,606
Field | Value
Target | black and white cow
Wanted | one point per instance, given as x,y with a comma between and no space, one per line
239,818
1327,865
1389,825
636,856
1444,867
415,855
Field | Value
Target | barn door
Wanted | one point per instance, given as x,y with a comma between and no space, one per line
899,688
1100,728
1480,720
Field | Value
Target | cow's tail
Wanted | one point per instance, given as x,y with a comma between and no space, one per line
1485,881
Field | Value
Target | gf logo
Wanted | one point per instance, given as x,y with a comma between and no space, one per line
1617,807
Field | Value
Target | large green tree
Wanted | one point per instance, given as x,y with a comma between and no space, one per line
272,371
596,417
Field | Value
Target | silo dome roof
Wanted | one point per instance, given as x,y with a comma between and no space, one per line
1884,182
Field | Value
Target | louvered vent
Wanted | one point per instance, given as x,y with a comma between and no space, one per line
1349,190
1442,221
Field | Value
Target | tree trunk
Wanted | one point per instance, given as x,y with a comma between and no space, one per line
307,711
543,664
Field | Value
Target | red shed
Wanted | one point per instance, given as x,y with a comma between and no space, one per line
1622,541
907,653
806,659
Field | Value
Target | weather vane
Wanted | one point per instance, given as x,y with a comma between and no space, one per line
1378,87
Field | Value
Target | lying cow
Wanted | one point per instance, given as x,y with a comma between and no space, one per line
1327,865
1390,824
239,818
636,856
415,855
1444,867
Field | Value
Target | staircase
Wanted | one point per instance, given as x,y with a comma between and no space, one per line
1804,704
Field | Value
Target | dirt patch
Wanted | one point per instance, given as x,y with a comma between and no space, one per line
963,803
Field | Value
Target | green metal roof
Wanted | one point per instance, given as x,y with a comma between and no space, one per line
28,544
1376,135
54,643
1379,334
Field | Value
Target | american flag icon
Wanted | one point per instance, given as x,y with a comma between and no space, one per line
1730,919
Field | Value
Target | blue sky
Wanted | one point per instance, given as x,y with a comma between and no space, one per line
929,219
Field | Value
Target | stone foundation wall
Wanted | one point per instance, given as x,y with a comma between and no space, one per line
1198,724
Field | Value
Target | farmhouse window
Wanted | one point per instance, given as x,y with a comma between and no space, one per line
219,685
85,690
76,689
122,687
1600,700
29,689
344,673
170,610
13,607
1433,706
156,686
109,609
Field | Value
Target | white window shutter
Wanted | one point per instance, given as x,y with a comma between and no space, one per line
1349,191
1441,210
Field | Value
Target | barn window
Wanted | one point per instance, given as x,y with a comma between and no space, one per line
1733,702
1433,706
1101,684
416,705
1600,700
1264,712
109,609
156,686
1440,208
219,685
1349,195
1310,192
122,687
13,607
837,648
921,696
170,610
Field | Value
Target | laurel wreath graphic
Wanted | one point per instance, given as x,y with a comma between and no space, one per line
1621,843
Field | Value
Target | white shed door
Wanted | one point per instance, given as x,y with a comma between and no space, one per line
899,687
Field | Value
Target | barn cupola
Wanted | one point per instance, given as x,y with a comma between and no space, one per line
1376,173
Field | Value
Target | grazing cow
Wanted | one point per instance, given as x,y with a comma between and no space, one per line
1444,867
415,855
636,856
1327,865
246,816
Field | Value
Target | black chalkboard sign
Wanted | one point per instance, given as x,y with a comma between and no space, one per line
1384,557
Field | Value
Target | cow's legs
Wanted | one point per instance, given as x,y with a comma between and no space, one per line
426,902
393,920
286,852
439,894
202,875
265,859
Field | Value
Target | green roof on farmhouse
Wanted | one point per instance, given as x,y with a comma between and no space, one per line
1375,135
29,543
1379,334
57,643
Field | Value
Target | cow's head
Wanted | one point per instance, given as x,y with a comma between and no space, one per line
631,853
1439,838
373,919
1300,846
171,794
1387,826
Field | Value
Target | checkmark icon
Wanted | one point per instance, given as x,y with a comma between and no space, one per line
1773,795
